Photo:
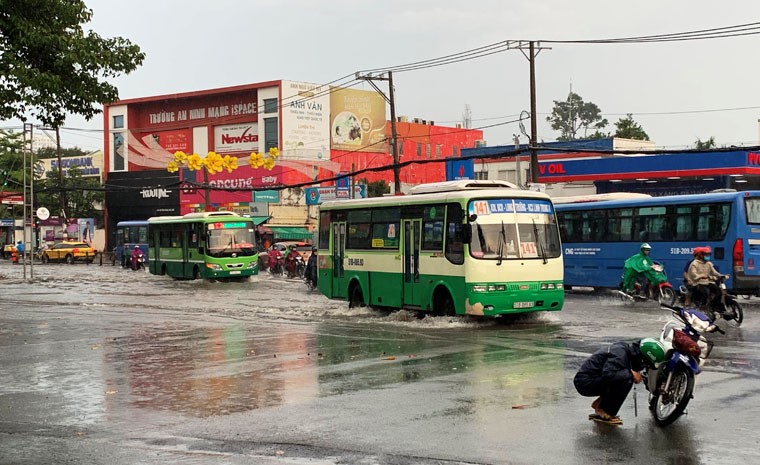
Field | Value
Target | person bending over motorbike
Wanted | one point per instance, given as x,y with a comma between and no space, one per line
609,374
134,258
639,267
702,274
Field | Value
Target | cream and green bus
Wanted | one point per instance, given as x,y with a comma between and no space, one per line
458,247
208,245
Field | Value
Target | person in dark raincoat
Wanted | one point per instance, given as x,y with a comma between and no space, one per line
608,374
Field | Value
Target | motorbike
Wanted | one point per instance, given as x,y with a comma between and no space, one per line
276,268
671,382
718,303
663,291
137,262
294,266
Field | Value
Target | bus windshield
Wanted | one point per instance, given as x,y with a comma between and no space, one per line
230,241
513,229
515,241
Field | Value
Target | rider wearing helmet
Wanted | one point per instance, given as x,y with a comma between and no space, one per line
637,267
702,273
609,373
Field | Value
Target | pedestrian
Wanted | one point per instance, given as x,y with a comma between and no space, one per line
610,373
20,249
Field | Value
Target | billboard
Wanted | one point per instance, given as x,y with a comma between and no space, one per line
305,126
317,195
357,120
90,165
236,138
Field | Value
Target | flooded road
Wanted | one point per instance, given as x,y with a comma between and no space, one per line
104,365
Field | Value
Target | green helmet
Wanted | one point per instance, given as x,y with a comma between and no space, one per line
645,246
652,350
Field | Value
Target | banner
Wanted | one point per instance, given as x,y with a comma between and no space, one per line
357,120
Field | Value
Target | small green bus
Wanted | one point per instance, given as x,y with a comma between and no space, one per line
208,245
459,247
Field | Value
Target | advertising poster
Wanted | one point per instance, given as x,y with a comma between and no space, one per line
357,120
236,138
305,121
235,187
156,149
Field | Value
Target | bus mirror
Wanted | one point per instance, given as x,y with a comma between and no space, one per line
466,234
472,218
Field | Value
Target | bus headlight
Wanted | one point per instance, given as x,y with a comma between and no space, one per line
550,286
253,265
489,287
214,266
479,288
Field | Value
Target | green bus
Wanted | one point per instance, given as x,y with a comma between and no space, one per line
458,247
208,245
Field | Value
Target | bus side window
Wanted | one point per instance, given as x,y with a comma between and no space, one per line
454,234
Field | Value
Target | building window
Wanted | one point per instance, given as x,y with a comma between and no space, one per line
419,149
270,133
118,151
455,151
400,148
481,175
270,105
118,121
438,151
427,150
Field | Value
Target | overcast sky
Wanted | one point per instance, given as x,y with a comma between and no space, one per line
194,45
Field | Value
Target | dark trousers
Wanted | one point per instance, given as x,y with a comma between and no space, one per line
613,394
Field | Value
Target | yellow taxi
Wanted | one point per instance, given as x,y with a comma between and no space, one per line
69,252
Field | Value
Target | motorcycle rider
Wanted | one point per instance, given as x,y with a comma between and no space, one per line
702,274
610,372
134,258
274,257
290,260
638,266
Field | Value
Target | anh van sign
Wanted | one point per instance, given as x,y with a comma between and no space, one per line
236,138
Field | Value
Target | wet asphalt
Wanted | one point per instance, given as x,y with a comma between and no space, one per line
104,365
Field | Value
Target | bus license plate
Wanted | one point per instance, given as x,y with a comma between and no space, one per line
234,272
523,304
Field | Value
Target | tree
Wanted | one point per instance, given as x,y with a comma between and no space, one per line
571,115
49,66
705,145
629,129
376,188
82,194
49,152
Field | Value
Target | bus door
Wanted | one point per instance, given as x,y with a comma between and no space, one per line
338,256
411,245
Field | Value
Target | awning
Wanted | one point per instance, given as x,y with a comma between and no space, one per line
257,220
291,232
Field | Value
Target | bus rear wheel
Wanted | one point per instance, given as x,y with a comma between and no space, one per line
355,297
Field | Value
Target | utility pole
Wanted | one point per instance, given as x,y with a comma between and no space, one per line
392,101
28,214
534,48
60,171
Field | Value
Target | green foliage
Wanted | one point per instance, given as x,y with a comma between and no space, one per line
81,194
706,144
629,129
571,115
376,188
50,66
49,152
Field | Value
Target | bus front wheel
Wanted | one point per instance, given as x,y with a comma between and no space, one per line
355,296
443,304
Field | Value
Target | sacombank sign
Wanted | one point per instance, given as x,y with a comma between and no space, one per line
236,138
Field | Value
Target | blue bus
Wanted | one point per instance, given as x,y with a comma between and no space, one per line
598,235
128,235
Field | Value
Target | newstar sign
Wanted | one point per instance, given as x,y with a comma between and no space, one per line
236,138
